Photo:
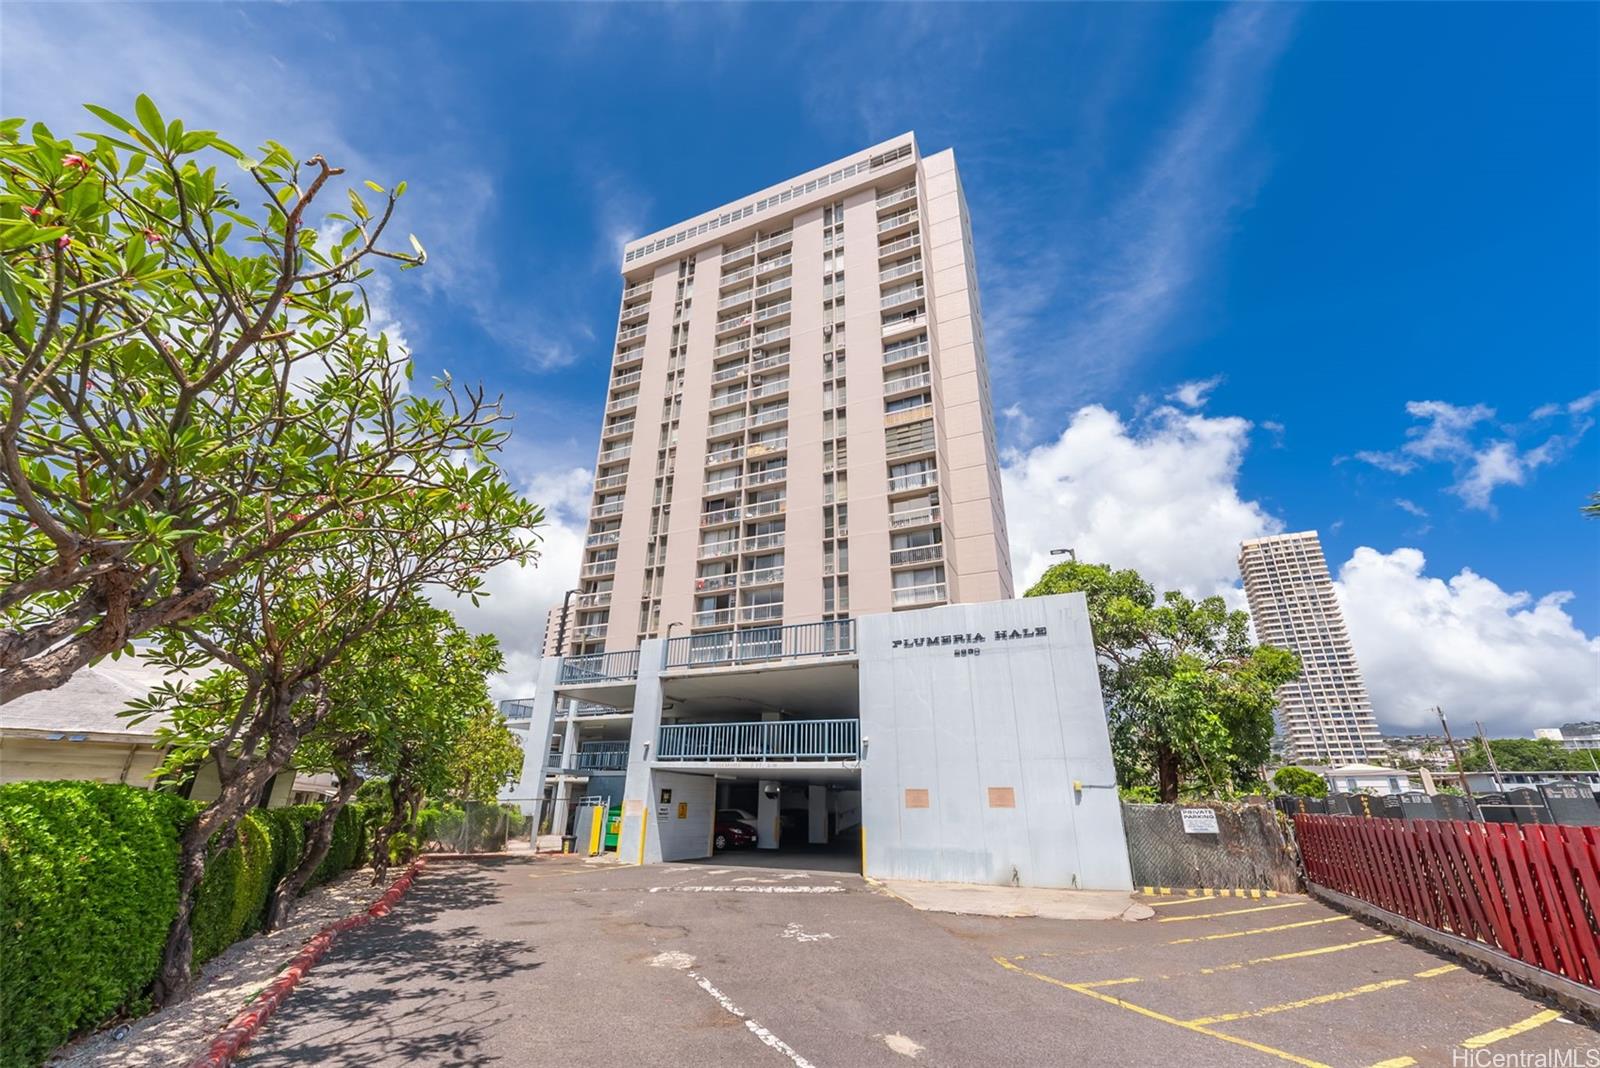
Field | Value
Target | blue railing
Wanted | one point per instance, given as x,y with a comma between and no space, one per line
794,739
603,756
833,638
516,709
600,667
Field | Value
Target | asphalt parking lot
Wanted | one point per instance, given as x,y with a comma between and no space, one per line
554,961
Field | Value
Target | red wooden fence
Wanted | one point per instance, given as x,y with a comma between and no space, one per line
1530,890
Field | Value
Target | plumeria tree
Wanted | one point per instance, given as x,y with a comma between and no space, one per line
1188,697
190,381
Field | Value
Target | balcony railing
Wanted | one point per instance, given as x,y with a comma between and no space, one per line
782,740
728,374
738,322
774,240
712,550
725,426
777,333
901,270
909,595
777,285
590,630
768,477
727,400
898,196
731,347
605,537
598,599
833,638
764,577
769,416
517,709
899,244
618,429
598,568
605,482
734,255
602,756
903,295
916,554
760,613
767,448
761,543
630,333
737,276
600,667
707,583
915,480
770,389
626,379
767,363
628,355
902,416
719,518
905,350
593,708
757,509
721,485
772,263
600,511
891,327
713,617
772,311
893,222
920,380
623,404
639,290
725,454
914,517
635,312
733,300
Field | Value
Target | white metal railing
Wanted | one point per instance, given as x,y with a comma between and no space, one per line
622,404
757,509
604,537
767,448
732,299
917,381
629,355
763,542
719,518
772,311
724,455
772,263
762,576
774,240
637,291
738,322
626,379
734,255
590,630
900,270
900,244
904,595
764,740
913,517
917,554
725,547
768,477
722,485
597,599
737,276
727,400
634,312
771,415
894,221
613,455
905,350
914,480
728,348
606,482
713,617
903,295
777,333
600,511
767,363
716,582
770,389
631,332
725,426
618,429
728,374
777,285
598,568
898,196
909,322
760,613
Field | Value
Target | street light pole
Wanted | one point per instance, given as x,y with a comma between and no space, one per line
561,626
1071,554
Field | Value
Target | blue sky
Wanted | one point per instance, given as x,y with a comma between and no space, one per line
1244,268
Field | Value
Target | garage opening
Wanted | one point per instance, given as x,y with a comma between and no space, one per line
801,821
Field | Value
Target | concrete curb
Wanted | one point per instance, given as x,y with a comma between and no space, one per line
245,1026
1575,997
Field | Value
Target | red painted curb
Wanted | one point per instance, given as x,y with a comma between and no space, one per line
245,1026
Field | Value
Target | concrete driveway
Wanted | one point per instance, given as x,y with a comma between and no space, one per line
554,961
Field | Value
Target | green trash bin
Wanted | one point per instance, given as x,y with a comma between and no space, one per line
613,827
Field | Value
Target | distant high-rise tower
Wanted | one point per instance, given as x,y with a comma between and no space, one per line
798,425
1325,716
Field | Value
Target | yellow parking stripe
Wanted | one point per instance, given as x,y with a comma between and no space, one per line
1254,931
1245,963
1396,1062
1079,988
1163,891
1231,912
1499,1033
1287,1006
1441,970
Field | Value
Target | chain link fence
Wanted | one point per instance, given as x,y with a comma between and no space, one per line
470,828
1252,848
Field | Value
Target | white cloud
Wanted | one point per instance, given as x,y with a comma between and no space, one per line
1195,394
1481,652
1160,496
1411,506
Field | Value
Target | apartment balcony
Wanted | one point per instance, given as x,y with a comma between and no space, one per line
933,593
597,599
598,569
758,509
907,383
618,430
766,741
713,617
600,667
728,326
773,311
777,285
723,427
911,449
712,583
898,196
600,511
770,363
729,374
634,292
774,263
797,641
734,256
733,300
901,270
622,404
916,480
736,277
732,399
769,389
761,613
638,311
766,576
602,756
606,482
625,380
905,350
903,295
627,356
777,333
722,518
759,449
907,243
916,554
771,477
724,454
894,329
604,537
772,241
914,517
893,224
761,543
723,484
587,631
628,333
729,348
717,549
908,415
620,452
770,416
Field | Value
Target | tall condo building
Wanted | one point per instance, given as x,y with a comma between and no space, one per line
798,425
1325,716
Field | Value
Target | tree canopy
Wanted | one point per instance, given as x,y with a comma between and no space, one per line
1189,698
1527,754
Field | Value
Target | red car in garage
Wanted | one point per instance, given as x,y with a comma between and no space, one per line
731,834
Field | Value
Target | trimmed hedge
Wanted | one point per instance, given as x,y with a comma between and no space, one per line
88,889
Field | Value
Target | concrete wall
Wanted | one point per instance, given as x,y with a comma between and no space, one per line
681,828
988,761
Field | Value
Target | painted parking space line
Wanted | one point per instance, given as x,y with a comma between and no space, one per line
1538,1019
1236,965
1396,1062
1323,999
1153,891
1258,930
1231,912
1200,1029
752,1026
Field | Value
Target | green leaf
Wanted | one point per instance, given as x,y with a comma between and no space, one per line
18,309
358,205
421,252
150,119
374,186
110,118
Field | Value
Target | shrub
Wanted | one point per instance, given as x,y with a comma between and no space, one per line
344,851
88,887
1300,782
233,895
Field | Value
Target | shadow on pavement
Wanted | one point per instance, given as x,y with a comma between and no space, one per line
435,980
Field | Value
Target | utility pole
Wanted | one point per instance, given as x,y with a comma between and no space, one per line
561,627
1488,750
1461,772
